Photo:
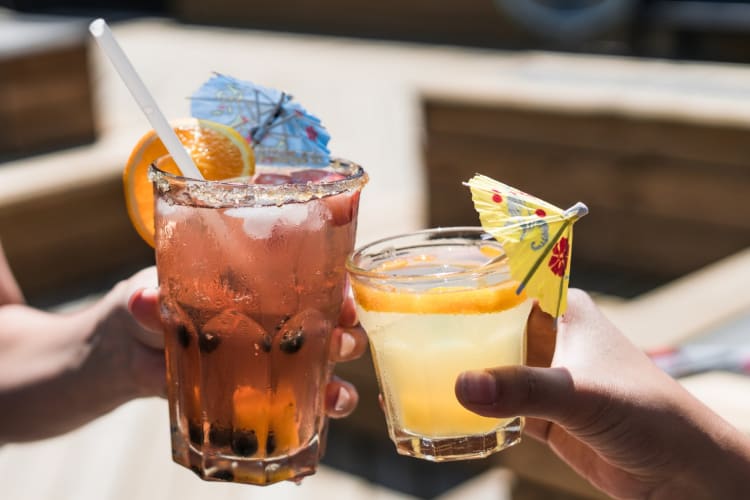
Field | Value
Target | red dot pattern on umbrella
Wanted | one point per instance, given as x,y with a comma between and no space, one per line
497,198
311,133
540,212
558,262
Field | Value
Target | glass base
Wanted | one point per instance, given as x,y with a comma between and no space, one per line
261,472
458,448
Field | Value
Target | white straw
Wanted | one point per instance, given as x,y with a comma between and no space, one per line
142,96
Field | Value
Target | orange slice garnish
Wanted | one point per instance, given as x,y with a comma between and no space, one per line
270,417
439,300
219,152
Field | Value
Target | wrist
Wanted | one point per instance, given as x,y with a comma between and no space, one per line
732,465
36,346
53,376
720,469
109,360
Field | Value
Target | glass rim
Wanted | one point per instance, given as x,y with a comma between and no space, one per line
228,193
494,265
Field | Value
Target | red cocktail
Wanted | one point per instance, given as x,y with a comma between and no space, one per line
252,279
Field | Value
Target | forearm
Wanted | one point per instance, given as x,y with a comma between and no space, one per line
724,470
35,345
50,379
720,472
738,451
714,455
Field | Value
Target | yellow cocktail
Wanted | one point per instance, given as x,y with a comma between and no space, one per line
434,304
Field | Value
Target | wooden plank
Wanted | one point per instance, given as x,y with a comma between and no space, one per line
709,192
34,93
528,490
492,484
652,214
687,191
46,100
592,130
687,307
73,236
64,117
39,64
533,461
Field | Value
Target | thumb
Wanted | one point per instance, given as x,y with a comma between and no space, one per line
510,391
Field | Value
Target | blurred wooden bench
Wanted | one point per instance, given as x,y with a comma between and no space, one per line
667,195
63,223
45,89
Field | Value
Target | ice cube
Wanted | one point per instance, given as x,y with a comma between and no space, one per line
343,207
260,221
171,224
165,209
294,214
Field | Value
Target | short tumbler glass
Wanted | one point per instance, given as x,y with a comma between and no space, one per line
435,303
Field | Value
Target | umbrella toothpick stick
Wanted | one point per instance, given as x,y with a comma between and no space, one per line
261,131
509,214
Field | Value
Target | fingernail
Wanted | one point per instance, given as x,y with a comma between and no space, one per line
477,388
342,400
347,345
145,293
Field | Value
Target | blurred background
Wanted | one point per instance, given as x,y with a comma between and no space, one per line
640,108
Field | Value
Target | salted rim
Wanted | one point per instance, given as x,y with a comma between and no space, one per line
226,194
449,236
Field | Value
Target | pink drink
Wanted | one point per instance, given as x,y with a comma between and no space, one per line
252,280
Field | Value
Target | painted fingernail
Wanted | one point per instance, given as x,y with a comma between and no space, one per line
347,345
142,294
342,401
477,388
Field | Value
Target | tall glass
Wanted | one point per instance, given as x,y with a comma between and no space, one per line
251,283
435,303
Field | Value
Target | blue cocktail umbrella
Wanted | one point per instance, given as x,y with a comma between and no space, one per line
280,130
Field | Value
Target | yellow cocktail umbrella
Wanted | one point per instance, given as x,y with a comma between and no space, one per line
537,237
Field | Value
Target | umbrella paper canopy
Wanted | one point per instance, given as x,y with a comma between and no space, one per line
536,235
280,130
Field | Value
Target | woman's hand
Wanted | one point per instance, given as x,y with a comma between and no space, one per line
60,370
610,413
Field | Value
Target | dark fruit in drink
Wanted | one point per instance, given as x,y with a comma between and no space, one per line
244,443
292,340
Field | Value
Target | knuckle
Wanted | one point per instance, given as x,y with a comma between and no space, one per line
532,387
